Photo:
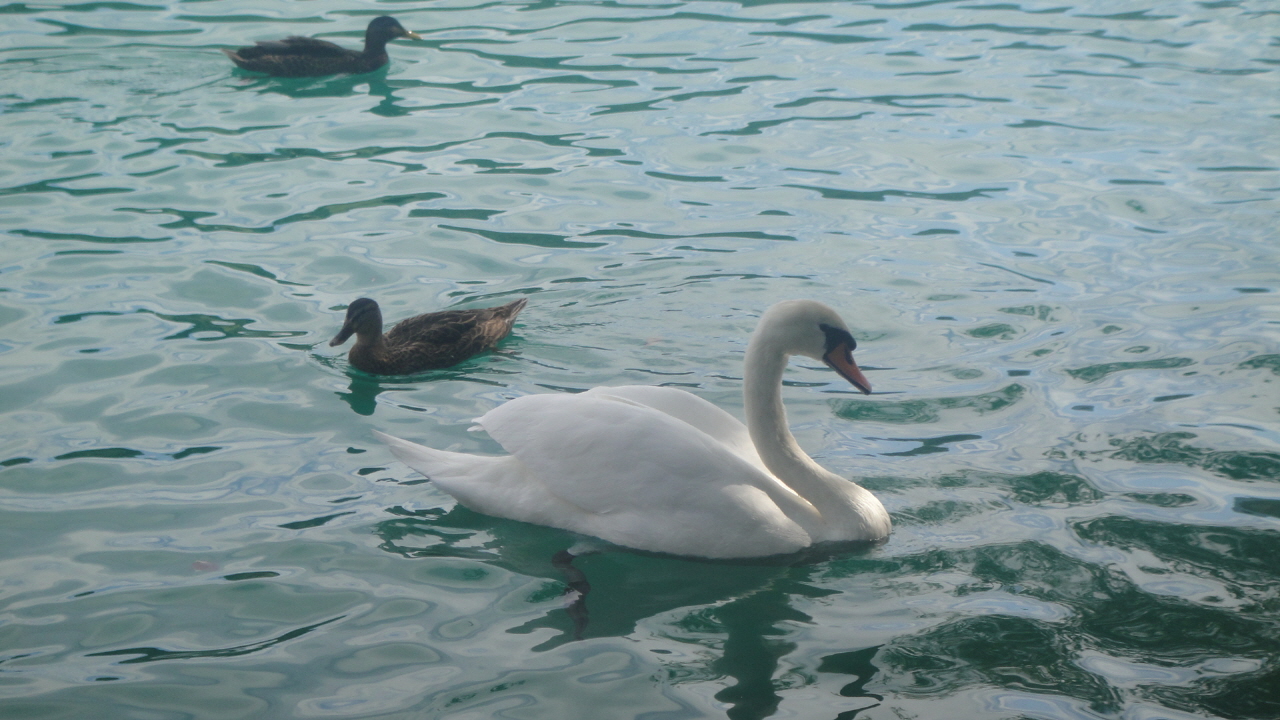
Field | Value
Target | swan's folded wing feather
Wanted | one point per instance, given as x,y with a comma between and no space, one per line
608,455
500,485
622,471
690,408
647,480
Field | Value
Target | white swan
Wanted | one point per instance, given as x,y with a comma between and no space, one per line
659,469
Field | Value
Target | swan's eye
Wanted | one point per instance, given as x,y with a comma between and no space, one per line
837,337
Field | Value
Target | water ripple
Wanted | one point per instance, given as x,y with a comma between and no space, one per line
1081,474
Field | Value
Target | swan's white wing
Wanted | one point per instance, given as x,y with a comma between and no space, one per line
487,484
646,479
691,409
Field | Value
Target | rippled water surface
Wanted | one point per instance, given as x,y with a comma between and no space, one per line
1051,226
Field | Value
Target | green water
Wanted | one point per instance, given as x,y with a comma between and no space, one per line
1051,227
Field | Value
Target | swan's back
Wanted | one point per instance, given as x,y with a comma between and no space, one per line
690,408
607,454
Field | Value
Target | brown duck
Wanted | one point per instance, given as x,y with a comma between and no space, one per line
308,57
423,342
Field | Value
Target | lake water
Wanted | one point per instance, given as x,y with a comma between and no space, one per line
1051,227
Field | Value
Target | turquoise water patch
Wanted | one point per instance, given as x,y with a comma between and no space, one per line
1051,231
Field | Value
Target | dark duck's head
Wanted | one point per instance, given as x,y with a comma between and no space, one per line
364,318
383,30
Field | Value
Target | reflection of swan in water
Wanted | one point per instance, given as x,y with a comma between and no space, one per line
601,594
750,605
662,470
578,587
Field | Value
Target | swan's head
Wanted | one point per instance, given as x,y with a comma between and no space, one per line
363,317
809,328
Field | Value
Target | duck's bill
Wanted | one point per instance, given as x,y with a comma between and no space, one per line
412,35
840,359
342,335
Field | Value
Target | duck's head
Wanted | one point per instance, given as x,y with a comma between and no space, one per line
385,28
810,328
364,317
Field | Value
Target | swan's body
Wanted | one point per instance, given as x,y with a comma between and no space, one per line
298,56
659,469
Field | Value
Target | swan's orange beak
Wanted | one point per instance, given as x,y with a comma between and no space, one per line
840,359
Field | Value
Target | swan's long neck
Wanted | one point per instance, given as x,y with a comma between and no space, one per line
767,422
847,510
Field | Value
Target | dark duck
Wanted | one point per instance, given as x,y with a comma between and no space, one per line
423,342
308,57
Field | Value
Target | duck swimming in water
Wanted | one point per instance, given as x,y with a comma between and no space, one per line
308,57
423,342
660,469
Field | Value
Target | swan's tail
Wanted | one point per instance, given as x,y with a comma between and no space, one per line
495,485
433,463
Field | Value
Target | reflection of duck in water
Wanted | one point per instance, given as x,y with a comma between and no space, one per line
424,342
308,57
660,469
